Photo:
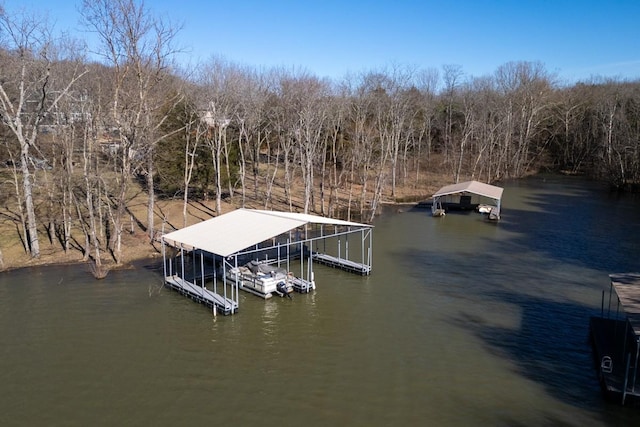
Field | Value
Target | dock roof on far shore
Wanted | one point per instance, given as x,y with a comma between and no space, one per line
475,187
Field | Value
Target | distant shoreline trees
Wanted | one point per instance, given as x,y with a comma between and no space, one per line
74,133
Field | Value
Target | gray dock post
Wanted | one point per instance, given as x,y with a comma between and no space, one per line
626,379
635,368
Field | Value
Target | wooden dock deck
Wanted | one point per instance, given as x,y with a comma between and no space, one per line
342,263
202,295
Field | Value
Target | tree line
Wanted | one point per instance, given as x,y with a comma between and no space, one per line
78,127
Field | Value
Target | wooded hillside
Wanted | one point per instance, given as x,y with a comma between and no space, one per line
81,139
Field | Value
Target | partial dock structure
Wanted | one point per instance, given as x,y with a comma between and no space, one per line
209,261
615,337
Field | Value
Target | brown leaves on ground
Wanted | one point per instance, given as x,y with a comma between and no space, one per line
136,241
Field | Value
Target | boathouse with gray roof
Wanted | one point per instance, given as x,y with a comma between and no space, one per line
468,195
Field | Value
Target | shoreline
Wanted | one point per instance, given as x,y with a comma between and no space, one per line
127,263
136,249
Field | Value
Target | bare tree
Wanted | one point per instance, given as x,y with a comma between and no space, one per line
332,151
572,147
526,87
484,101
251,115
217,125
451,75
219,81
92,185
30,89
468,128
359,154
427,84
138,47
284,119
615,129
309,127
400,83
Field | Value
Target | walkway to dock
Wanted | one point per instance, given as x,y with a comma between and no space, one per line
202,295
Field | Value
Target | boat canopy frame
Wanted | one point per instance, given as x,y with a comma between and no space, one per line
266,236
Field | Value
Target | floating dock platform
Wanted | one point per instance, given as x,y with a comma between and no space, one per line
301,285
342,263
202,295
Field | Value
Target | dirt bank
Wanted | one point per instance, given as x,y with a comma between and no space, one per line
136,244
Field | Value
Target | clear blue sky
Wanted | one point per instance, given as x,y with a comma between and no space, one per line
575,39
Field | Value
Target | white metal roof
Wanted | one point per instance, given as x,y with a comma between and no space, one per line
240,229
474,187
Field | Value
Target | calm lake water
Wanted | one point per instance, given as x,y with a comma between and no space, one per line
462,322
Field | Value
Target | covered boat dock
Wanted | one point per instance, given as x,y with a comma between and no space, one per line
469,195
615,337
208,261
